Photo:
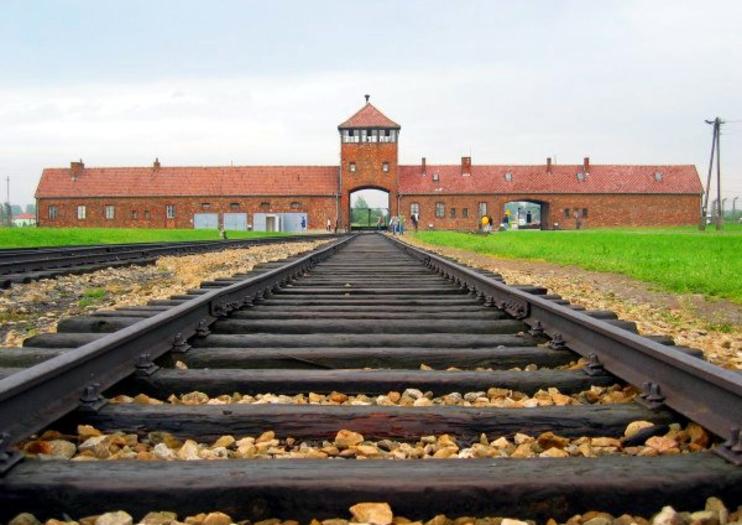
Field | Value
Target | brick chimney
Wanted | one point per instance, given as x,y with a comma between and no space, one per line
586,165
423,166
548,164
466,166
156,164
76,168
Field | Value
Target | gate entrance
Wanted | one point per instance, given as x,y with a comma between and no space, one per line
369,209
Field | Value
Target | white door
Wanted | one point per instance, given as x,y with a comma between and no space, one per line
235,221
206,221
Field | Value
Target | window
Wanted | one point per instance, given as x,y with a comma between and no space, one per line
296,205
440,210
352,167
170,211
110,212
147,214
134,214
415,208
658,176
509,176
584,213
234,205
436,178
53,211
81,212
465,212
482,209
265,205
206,205
581,176
385,167
566,213
452,213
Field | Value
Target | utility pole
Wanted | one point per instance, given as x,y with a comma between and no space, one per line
8,209
715,149
722,209
734,209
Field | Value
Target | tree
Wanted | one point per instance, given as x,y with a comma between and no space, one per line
31,208
16,208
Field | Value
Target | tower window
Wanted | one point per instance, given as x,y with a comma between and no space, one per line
385,167
352,167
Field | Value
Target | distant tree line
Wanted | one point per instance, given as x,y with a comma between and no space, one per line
8,211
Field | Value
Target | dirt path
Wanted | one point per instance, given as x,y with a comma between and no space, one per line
714,326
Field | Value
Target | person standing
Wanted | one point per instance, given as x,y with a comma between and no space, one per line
484,222
329,225
414,221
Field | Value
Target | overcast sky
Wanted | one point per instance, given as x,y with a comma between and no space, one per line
210,83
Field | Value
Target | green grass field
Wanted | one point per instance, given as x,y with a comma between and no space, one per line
676,259
31,237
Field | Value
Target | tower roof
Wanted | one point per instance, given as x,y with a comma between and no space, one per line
369,117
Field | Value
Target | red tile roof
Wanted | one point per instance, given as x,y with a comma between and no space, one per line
369,117
562,179
322,180
24,216
189,181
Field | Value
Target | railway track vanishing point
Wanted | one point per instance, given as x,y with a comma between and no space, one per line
359,316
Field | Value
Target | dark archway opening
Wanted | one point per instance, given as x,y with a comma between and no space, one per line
369,209
526,215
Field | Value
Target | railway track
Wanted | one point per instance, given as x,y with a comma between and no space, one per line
24,265
320,356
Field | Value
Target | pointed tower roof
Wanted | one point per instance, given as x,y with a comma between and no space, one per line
369,117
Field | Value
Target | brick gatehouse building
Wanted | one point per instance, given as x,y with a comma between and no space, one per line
450,196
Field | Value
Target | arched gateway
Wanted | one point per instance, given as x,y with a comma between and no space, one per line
368,158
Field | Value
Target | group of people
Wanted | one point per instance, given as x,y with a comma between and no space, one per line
396,224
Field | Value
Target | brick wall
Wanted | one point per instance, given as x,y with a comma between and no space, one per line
602,210
368,158
318,208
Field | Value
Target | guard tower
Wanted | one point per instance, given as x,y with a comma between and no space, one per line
368,157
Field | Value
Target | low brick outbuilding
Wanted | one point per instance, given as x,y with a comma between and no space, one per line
452,196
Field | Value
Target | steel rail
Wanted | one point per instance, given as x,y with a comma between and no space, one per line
37,396
700,391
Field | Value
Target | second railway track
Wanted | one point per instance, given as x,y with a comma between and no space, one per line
349,322
23,265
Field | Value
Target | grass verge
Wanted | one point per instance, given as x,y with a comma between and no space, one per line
681,260
34,237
